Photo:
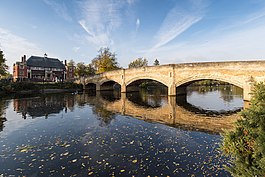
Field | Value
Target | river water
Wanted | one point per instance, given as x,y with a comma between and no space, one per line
112,134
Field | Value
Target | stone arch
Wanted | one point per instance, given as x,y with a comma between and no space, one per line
146,78
112,84
102,81
205,77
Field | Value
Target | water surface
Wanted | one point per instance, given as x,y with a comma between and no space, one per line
105,134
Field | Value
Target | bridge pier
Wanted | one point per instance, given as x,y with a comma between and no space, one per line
97,87
247,89
123,88
172,90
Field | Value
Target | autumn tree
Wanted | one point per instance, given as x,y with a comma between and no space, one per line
105,61
246,144
139,62
3,66
71,63
156,62
80,69
90,71
84,70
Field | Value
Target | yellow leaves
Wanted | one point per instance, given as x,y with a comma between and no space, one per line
134,161
74,160
26,148
90,173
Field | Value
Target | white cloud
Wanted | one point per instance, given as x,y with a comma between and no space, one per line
177,21
59,8
15,46
101,18
242,44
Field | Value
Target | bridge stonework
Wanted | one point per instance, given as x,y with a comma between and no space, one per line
176,76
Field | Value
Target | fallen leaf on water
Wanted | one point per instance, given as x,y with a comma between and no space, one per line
134,161
90,173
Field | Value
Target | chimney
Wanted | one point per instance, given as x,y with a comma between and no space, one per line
45,55
25,58
22,59
65,63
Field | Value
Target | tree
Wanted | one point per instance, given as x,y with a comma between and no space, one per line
246,144
84,70
90,71
3,66
80,69
156,62
105,61
139,62
71,63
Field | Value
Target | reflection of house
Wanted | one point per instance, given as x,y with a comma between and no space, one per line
43,106
38,68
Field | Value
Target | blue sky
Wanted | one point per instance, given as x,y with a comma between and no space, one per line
172,31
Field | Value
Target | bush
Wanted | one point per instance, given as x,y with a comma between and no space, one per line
246,144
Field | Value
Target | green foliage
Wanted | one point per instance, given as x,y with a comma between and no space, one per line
246,144
156,62
139,62
3,66
105,61
84,70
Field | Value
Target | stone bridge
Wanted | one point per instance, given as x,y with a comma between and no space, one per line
177,76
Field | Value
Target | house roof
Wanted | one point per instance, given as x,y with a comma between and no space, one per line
45,62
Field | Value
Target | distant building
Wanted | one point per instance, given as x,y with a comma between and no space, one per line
38,68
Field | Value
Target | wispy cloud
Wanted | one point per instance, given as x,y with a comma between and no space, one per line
59,8
177,21
15,46
137,24
101,18
243,44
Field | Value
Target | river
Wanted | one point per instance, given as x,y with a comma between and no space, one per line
112,134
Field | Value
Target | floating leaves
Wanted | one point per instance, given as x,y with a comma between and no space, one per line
126,147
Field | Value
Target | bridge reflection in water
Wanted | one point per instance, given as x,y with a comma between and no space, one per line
152,106
163,109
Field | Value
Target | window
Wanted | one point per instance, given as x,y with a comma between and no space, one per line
21,73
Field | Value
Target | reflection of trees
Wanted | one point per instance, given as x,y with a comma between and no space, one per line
228,92
110,95
98,100
148,97
2,113
182,102
246,144
104,116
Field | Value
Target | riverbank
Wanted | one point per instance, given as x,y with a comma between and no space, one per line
24,88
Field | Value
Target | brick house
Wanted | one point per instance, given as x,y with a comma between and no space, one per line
37,68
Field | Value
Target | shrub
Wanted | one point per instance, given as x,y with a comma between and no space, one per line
246,144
